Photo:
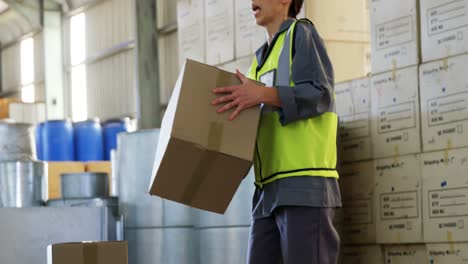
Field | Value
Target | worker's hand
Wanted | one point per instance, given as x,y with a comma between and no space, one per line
240,97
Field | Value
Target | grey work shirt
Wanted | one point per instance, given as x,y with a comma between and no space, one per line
312,73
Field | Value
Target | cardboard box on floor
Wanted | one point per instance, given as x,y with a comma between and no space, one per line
54,170
398,207
445,196
444,28
357,188
88,253
202,157
444,97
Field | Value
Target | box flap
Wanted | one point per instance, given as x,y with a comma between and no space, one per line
199,178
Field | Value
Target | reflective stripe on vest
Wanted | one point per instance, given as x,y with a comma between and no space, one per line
303,148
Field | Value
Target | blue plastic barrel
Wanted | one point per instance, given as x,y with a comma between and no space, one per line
111,129
89,145
57,141
39,147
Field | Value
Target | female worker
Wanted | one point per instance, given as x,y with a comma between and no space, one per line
295,157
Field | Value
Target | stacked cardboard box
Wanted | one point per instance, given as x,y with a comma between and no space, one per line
419,122
344,27
358,193
444,28
398,206
394,34
353,108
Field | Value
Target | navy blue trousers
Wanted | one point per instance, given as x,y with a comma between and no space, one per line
294,235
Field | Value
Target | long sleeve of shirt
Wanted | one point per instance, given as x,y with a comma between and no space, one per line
312,74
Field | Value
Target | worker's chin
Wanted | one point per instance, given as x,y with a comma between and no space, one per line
260,21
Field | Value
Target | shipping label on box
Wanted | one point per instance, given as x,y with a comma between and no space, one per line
444,103
353,109
395,114
398,207
249,36
414,254
394,34
456,253
201,157
219,33
445,195
350,22
444,28
357,188
191,28
362,255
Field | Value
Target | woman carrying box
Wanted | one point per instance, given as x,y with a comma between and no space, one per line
296,154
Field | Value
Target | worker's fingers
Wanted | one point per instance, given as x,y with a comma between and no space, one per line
223,99
228,89
241,76
236,112
228,106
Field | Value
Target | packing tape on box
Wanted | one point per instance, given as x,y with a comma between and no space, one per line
450,241
396,152
204,166
447,152
215,135
90,253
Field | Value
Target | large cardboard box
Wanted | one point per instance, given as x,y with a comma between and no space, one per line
394,34
340,20
357,189
202,157
362,255
456,253
54,170
444,100
30,113
191,29
249,36
395,113
398,207
406,254
353,108
5,107
445,196
444,28
351,60
88,253
219,31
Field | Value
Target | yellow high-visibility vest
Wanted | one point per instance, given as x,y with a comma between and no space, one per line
303,148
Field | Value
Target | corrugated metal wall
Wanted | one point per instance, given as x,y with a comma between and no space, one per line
11,68
39,74
168,48
110,59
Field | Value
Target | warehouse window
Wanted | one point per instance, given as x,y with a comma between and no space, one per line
27,70
78,70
